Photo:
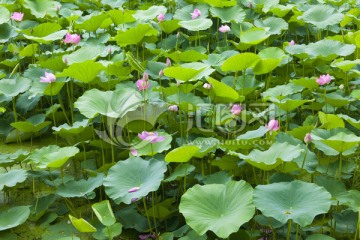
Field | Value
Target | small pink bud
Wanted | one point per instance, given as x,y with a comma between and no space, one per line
161,73
207,86
58,8
161,17
145,76
168,62
273,125
195,14
224,29
65,61
307,138
236,109
292,42
133,152
173,108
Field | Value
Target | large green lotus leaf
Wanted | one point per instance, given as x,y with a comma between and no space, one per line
319,237
275,25
180,171
266,5
187,56
281,10
288,104
330,121
169,26
54,63
235,13
150,13
254,36
67,130
52,156
82,225
322,16
79,188
91,22
206,145
335,141
296,200
271,158
260,132
204,69
195,25
109,232
329,49
114,3
309,83
336,100
334,187
131,173
6,32
222,90
352,121
42,30
281,91
93,102
13,87
49,38
39,8
272,53
13,217
104,212
4,15
266,65
355,93
134,35
345,65
298,50
29,126
121,16
84,71
181,154
221,3
112,104
351,199
87,52
217,207
240,62
29,50
181,73
12,177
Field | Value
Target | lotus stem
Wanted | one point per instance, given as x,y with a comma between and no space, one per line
289,230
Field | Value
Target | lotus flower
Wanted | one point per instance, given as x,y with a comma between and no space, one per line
153,137
236,109
273,125
292,42
72,38
307,138
161,73
17,16
207,86
145,76
146,236
161,17
324,79
49,78
224,29
142,84
196,13
173,108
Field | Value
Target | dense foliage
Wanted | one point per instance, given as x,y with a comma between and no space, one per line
191,120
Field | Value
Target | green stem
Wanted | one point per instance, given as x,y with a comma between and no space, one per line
289,230
147,216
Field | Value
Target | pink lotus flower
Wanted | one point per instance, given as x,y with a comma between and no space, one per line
324,79
145,76
17,16
134,199
173,108
273,125
307,138
161,73
134,189
72,38
196,13
161,17
292,42
168,62
146,236
58,8
236,109
207,86
153,137
49,78
224,29
249,5
142,84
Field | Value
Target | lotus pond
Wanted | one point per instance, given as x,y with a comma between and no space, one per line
189,119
